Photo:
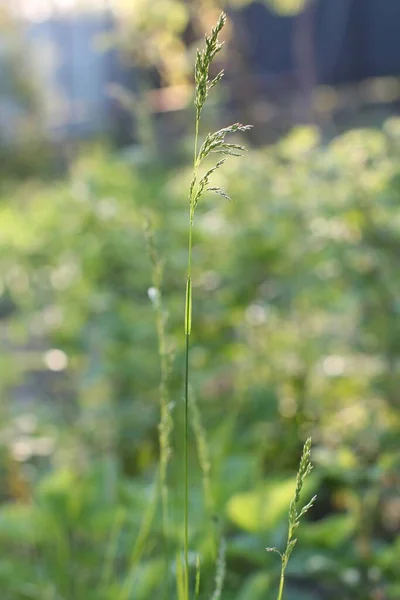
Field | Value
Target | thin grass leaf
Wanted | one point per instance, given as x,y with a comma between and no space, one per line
180,578
198,577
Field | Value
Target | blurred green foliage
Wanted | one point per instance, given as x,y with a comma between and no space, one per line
297,332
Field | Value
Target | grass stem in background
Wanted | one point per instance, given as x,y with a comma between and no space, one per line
295,514
166,423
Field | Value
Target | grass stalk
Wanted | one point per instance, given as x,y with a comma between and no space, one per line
188,318
188,327
281,585
295,514
214,143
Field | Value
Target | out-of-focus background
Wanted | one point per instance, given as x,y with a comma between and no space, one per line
296,309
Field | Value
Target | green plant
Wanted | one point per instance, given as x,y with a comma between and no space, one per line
295,513
213,143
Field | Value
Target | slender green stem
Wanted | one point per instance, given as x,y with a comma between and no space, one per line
186,475
281,584
188,326
188,319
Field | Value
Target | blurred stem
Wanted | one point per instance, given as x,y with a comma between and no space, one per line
165,426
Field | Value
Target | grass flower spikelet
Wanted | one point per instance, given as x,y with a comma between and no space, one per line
295,513
204,59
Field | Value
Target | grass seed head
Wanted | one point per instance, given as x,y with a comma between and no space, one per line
204,59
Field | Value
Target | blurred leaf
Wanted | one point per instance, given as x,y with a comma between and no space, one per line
287,7
263,509
330,532
20,524
256,587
